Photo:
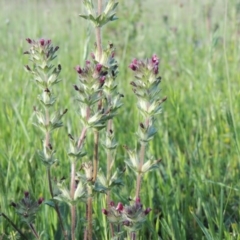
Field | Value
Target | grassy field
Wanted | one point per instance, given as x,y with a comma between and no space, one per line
195,193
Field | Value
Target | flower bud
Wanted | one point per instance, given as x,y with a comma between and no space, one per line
29,40
98,67
42,42
40,200
104,211
26,194
78,69
119,207
147,211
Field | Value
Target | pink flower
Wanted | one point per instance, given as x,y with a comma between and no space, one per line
78,69
29,40
26,194
40,200
155,59
104,211
134,64
42,42
147,211
119,207
102,80
98,67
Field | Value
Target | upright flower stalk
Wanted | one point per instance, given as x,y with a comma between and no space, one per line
102,60
46,76
146,87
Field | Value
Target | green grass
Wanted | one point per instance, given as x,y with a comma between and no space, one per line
195,193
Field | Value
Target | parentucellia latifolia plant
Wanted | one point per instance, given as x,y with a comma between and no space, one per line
98,100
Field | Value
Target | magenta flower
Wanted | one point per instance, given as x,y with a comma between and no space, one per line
78,69
102,80
104,211
42,42
134,65
147,211
98,67
29,40
119,207
40,200
26,194
155,59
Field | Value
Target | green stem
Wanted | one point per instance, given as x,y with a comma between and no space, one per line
34,231
47,143
14,226
109,162
95,155
139,176
56,204
72,192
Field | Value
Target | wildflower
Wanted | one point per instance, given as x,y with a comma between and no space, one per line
29,40
78,69
40,200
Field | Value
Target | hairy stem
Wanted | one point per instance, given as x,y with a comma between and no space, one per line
56,204
109,162
14,226
72,192
34,231
89,218
142,156
47,143
47,135
95,155
139,176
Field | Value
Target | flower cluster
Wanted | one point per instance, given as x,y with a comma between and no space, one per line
151,65
146,87
98,99
27,208
131,216
41,54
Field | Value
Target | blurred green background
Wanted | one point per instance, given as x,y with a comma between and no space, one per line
195,192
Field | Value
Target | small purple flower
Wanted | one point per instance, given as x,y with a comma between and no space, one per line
104,211
134,64
40,200
42,42
119,207
112,204
138,200
155,59
147,211
26,194
102,80
98,67
78,69
155,70
29,40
